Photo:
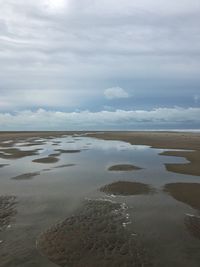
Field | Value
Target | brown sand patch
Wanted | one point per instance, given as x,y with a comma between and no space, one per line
7,144
7,210
33,144
93,236
126,188
46,160
15,153
123,167
188,193
64,165
63,151
54,155
186,168
26,176
192,223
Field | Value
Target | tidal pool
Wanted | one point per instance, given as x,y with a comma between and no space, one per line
50,193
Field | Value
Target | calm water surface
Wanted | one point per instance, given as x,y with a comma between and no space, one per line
45,199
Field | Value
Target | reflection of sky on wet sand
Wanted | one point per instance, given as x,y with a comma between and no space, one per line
52,195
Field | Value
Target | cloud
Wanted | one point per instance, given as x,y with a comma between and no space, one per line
41,119
115,92
196,98
51,57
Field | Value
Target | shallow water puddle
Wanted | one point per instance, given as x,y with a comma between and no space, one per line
50,191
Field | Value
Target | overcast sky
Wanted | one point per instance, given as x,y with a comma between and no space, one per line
99,64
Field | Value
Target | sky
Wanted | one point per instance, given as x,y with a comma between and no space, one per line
99,64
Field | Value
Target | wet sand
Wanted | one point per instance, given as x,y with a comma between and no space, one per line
7,210
123,167
15,153
46,160
65,165
65,151
193,167
68,241
125,188
20,135
192,223
26,176
96,235
188,193
164,140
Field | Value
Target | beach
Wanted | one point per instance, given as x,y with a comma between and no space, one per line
99,199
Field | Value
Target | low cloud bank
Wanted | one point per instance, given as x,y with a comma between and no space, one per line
160,118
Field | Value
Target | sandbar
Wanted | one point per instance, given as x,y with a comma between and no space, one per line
26,176
93,236
46,160
188,193
123,167
163,140
126,188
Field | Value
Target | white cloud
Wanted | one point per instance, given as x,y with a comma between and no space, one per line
86,120
115,92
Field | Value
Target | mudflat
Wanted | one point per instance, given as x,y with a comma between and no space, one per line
126,188
164,140
94,236
46,160
123,167
80,214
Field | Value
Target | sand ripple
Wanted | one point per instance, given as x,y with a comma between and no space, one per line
94,236
7,210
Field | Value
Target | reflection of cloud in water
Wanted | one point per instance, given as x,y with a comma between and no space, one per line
112,145
72,143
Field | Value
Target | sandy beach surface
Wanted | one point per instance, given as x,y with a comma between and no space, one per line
166,140
99,199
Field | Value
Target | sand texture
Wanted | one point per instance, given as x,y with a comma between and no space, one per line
126,188
46,160
7,210
123,167
188,193
94,236
165,140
